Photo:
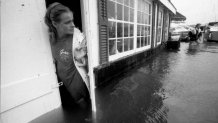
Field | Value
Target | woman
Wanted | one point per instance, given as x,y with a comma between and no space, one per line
64,38
195,35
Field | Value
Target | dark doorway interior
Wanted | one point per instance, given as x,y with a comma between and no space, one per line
74,5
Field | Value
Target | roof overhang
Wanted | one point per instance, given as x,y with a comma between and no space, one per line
169,5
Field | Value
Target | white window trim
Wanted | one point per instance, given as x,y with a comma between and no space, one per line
135,49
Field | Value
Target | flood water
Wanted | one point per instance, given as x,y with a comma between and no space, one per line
173,87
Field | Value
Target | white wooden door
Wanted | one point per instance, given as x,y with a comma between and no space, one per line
27,72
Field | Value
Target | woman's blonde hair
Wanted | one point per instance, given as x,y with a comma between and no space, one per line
53,14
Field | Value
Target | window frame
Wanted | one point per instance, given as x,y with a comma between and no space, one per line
135,24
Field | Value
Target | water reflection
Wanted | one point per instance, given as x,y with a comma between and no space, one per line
175,86
137,96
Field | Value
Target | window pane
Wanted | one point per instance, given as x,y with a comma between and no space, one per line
160,18
139,5
149,30
126,44
138,42
146,41
111,10
149,20
143,6
138,17
131,15
138,30
119,12
112,29
149,40
132,3
146,8
126,2
149,8
126,13
119,30
142,30
143,18
112,47
146,18
120,1
120,45
131,29
131,43
142,41
126,30
146,30
159,31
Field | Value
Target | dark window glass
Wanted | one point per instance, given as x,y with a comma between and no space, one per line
126,44
131,29
119,12
126,13
149,8
146,41
126,30
146,30
138,30
149,20
138,42
112,47
112,29
131,43
149,30
142,30
142,41
120,45
119,30
111,10
149,40
160,18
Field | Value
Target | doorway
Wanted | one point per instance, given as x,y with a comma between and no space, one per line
75,7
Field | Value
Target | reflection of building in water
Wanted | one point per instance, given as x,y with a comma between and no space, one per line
120,33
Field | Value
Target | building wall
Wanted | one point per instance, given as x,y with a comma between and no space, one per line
119,31
129,27
28,79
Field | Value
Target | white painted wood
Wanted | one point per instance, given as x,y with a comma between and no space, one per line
169,5
27,70
90,16
33,109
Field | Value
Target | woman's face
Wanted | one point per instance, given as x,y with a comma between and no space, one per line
66,24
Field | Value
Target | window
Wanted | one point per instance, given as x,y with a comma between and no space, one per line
143,24
127,31
160,25
121,25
